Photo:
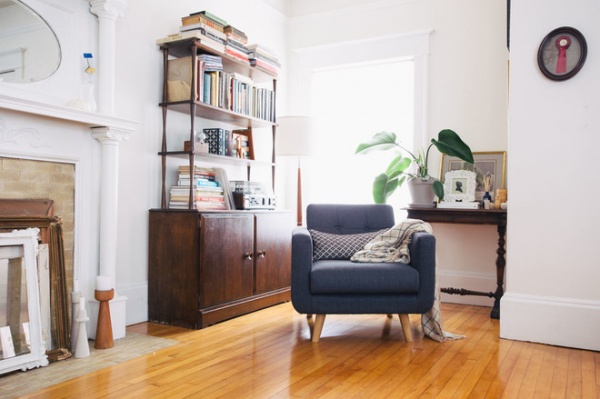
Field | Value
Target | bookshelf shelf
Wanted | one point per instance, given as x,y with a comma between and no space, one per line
208,111
216,158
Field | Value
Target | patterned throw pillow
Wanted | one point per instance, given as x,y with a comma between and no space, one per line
339,246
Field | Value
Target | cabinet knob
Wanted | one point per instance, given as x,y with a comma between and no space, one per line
262,254
248,255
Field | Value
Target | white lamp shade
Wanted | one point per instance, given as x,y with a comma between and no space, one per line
296,136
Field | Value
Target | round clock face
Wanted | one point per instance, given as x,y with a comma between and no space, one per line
562,53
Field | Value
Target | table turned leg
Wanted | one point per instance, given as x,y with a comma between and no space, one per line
500,266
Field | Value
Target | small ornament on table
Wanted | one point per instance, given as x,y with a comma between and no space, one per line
487,186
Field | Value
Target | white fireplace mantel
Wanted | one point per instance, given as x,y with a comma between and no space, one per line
67,114
109,130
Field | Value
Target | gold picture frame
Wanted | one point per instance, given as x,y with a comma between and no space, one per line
488,162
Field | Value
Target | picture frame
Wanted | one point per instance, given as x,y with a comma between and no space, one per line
459,186
562,53
486,163
18,272
242,144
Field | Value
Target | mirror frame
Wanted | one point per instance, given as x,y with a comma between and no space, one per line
38,26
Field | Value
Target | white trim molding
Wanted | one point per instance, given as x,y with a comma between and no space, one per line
573,323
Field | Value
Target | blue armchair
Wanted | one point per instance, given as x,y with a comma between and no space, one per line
325,281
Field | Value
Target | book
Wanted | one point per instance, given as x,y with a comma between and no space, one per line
221,177
216,139
193,34
211,62
200,18
237,45
200,25
253,55
209,34
458,205
210,16
236,34
260,49
238,55
264,65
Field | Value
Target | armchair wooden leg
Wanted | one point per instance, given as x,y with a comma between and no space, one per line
319,321
405,322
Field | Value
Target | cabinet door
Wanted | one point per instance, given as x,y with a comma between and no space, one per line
226,258
173,268
273,251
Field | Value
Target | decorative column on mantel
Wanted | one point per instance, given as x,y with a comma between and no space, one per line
110,138
107,12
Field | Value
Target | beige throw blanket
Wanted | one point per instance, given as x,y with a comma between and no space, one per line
392,246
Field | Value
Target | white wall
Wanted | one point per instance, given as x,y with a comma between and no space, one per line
553,272
468,92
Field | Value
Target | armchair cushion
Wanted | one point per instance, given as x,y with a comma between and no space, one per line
339,246
343,277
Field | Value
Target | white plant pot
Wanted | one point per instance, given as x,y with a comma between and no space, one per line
421,192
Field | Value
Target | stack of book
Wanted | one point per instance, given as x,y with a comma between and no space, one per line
207,193
206,18
263,58
211,62
216,34
236,44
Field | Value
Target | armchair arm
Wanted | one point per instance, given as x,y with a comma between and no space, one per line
422,258
302,260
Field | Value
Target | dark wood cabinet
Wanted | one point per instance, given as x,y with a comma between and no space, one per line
206,267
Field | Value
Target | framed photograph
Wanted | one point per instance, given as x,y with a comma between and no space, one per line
488,165
459,186
562,53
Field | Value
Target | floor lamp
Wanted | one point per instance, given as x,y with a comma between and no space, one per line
295,138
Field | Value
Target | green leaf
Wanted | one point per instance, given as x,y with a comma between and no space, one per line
384,187
380,142
450,143
397,166
438,189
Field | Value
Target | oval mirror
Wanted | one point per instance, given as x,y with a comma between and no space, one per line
29,49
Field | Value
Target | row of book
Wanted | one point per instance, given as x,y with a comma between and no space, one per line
210,189
231,91
236,143
215,33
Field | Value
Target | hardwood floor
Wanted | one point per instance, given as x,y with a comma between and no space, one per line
268,354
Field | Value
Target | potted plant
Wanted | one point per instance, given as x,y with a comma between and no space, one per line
448,142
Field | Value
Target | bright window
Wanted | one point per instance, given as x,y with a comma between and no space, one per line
352,103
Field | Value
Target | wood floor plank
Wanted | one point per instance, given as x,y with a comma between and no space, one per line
268,354
544,380
559,377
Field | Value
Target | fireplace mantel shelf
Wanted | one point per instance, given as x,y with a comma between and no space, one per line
90,119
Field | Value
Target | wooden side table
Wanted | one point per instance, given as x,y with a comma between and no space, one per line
472,216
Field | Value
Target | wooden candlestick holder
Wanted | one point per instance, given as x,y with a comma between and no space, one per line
104,335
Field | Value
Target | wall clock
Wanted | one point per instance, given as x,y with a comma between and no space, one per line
562,53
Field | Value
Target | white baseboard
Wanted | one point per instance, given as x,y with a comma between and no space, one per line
470,281
137,303
566,322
